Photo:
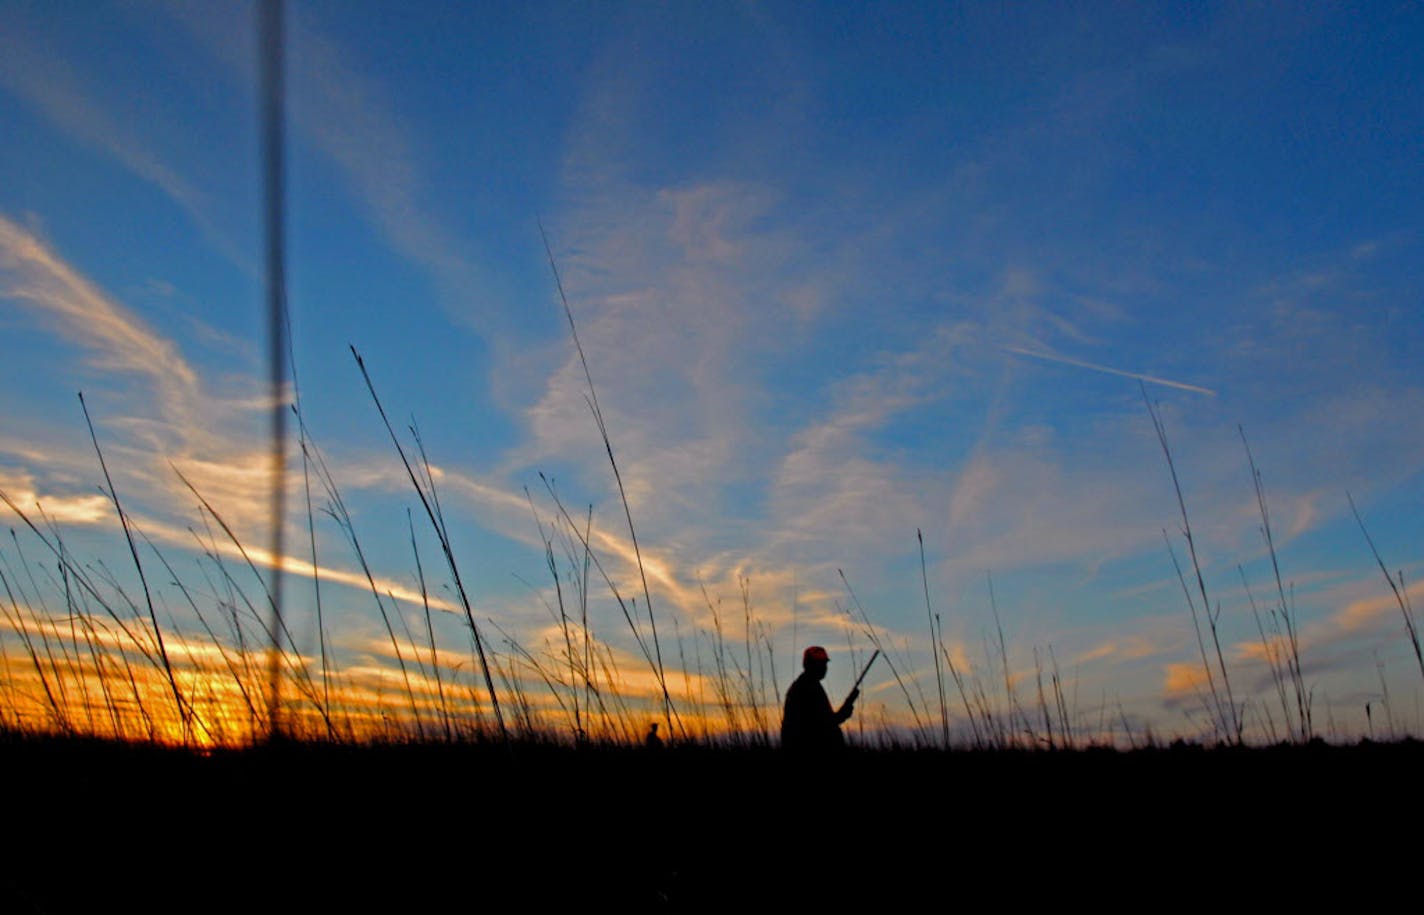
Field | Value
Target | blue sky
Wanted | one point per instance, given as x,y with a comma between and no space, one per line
841,274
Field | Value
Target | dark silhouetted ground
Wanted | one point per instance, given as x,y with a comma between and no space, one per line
94,827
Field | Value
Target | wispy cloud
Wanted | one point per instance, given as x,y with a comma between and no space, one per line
55,88
352,118
36,277
229,473
96,510
176,418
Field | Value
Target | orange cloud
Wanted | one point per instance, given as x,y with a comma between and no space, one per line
1367,613
1183,680
1130,648
87,509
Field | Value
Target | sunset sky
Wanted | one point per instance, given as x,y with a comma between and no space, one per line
841,273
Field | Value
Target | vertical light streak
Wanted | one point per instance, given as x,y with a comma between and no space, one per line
270,42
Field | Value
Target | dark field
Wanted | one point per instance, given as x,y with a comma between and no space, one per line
95,826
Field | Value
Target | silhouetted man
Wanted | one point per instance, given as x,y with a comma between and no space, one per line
808,723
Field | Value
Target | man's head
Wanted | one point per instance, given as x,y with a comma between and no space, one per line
815,660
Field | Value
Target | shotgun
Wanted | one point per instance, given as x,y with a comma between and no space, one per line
865,670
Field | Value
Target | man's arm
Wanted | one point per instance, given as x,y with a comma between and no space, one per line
847,707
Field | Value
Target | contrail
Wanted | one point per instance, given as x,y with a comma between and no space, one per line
1151,379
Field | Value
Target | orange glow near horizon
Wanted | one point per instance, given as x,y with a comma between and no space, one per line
92,681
